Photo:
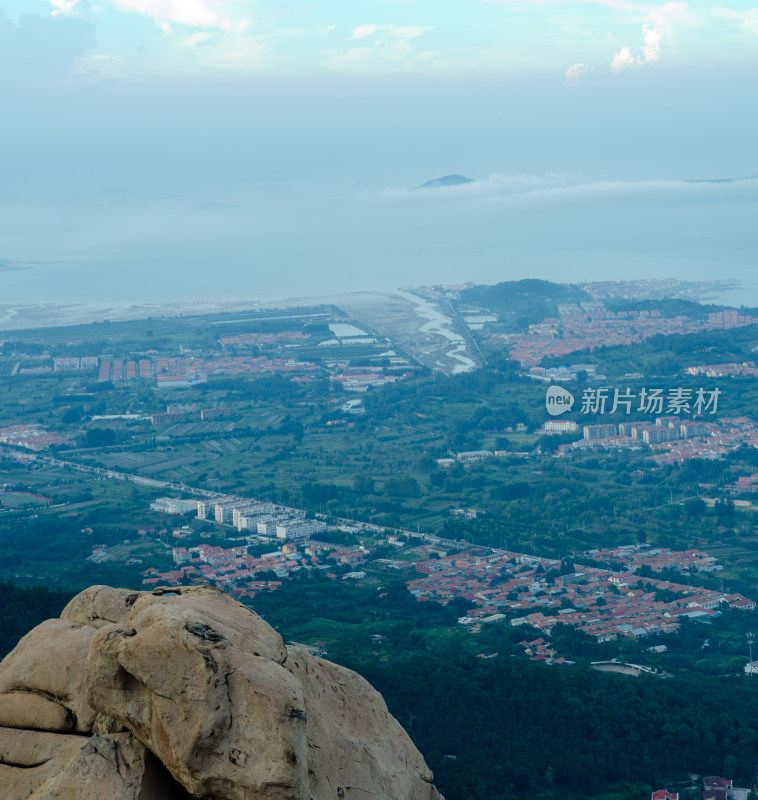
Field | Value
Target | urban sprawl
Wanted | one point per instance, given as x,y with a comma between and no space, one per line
607,593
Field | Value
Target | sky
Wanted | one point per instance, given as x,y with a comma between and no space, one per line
157,150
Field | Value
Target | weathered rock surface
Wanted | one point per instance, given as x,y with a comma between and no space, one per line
198,678
35,712
99,605
190,682
49,662
28,759
356,748
48,766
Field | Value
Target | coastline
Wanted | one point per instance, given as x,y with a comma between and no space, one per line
25,315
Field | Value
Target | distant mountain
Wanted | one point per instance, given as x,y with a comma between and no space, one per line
447,180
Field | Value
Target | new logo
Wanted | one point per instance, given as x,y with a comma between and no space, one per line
558,401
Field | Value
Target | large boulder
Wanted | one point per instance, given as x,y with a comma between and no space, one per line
34,712
356,748
186,692
99,605
199,679
28,759
48,663
46,766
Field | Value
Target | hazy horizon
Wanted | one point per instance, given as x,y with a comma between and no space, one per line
217,150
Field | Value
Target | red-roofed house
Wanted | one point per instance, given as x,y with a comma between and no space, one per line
664,794
715,787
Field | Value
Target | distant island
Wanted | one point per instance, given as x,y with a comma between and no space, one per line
447,180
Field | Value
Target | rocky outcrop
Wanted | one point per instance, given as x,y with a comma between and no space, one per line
50,766
48,663
187,693
99,605
354,744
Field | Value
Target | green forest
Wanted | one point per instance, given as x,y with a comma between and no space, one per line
517,729
21,608
501,727
491,722
507,727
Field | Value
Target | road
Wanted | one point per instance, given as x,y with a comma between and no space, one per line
100,472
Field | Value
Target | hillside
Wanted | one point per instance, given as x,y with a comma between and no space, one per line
446,180
524,302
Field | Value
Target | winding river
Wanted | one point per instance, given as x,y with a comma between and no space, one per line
440,325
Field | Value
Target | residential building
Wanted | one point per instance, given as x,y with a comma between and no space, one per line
593,432
664,794
475,455
166,419
214,413
658,433
173,505
560,426
297,529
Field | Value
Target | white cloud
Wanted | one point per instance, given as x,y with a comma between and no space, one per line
62,6
234,51
575,72
365,30
656,22
651,49
621,5
546,3
543,191
197,13
746,20
623,59
657,26
389,45
388,33
497,185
